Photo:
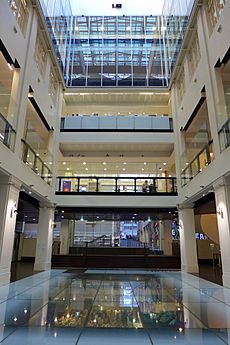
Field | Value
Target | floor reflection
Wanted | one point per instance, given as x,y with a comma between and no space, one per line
159,307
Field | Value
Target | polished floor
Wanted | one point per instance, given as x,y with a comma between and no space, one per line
109,307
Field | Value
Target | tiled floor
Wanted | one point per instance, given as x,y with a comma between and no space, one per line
109,307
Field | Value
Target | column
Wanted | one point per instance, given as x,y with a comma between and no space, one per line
167,229
44,239
222,196
188,250
66,236
9,193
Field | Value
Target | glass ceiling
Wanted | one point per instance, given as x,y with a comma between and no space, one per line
129,51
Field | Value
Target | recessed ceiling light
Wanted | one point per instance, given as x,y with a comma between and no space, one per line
145,163
164,163
67,169
123,169
30,192
84,163
64,163
86,169
142,169
104,163
105,169
124,163
160,169
50,163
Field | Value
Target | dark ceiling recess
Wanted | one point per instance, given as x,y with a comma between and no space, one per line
28,209
118,214
206,204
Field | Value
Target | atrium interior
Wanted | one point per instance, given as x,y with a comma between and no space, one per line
114,172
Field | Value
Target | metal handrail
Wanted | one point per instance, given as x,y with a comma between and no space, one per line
44,166
196,158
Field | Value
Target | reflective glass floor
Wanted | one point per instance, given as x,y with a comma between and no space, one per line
108,307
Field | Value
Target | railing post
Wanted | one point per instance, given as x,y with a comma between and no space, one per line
97,184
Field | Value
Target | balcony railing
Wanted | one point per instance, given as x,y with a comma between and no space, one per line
7,133
198,164
119,185
149,123
224,135
32,159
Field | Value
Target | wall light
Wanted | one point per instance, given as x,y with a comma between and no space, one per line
220,212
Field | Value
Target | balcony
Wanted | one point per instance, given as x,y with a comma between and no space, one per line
141,123
122,186
7,133
198,164
37,163
224,135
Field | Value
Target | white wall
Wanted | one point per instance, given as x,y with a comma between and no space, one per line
129,7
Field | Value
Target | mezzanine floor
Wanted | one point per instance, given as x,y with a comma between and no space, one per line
114,307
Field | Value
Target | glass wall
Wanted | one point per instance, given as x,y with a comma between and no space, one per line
117,50
176,14
58,18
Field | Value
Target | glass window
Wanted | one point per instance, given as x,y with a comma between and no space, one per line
53,86
40,55
20,9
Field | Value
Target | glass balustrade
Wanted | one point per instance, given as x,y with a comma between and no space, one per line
198,164
41,167
119,185
129,122
224,135
7,133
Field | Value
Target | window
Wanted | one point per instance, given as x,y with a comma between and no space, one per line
214,9
53,85
40,55
20,9
194,55
181,86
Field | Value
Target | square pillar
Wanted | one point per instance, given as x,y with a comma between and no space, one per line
167,228
188,249
9,193
66,236
222,196
44,239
